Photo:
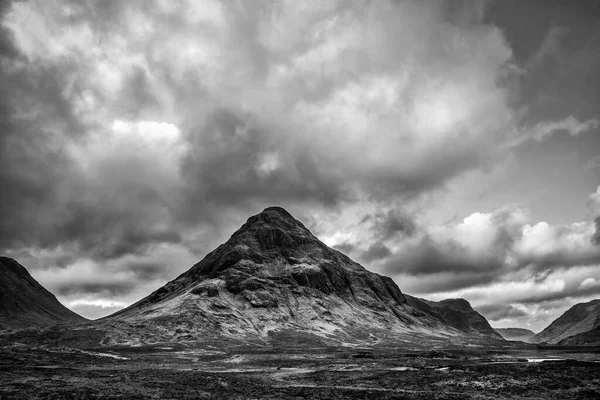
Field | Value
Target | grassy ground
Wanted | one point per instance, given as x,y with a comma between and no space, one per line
253,371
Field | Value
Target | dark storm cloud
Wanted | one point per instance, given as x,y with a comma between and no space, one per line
570,291
429,257
236,161
448,281
105,231
391,223
147,270
558,258
114,288
31,167
377,251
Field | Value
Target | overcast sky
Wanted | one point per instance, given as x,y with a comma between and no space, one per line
454,146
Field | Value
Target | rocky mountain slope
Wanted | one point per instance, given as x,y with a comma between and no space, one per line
580,318
523,335
457,313
271,277
24,302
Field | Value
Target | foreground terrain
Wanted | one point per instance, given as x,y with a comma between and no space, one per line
289,368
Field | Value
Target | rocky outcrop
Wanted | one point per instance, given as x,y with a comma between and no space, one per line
26,303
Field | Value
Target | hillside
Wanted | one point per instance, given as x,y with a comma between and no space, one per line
580,318
457,313
25,303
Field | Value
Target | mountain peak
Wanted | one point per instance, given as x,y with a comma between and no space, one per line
274,229
278,210
273,217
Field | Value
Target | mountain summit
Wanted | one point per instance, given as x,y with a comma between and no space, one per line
24,302
273,276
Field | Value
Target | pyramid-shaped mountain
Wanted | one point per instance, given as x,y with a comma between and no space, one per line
273,275
26,303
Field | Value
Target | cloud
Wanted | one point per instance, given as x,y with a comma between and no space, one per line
545,129
571,125
494,259
594,203
496,312
596,235
98,287
550,46
388,225
375,252
546,246
95,310
165,113
480,242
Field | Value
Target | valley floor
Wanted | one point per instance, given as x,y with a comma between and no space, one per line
259,372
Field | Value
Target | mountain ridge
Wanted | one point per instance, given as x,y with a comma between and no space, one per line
457,312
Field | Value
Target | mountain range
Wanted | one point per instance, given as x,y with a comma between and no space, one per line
274,278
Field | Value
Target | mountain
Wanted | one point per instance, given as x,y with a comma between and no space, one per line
274,277
457,313
580,318
587,338
24,302
523,335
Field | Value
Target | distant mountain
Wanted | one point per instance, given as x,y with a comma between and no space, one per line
274,277
24,302
580,318
457,313
523,335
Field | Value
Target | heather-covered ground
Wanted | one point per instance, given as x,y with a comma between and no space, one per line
219,369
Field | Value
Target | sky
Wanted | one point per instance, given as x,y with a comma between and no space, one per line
454,146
